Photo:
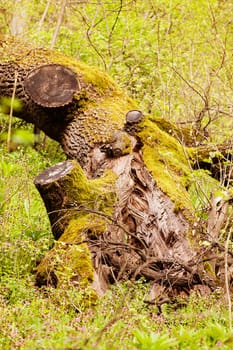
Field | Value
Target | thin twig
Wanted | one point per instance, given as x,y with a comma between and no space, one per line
59,23
227,279
190,85
113,27
99,213
44,15
11,112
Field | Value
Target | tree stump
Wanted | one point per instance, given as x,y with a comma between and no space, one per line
129,227
54,187
77,208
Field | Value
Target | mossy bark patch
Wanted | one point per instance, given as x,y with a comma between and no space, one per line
167,161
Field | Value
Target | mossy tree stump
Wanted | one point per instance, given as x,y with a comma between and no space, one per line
128,226
121,207
74,205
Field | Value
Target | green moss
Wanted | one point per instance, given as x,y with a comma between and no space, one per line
70,259
86,225
100,79
94,203
94,194
117,104
74,265
69,262
126,144
182,133
166,159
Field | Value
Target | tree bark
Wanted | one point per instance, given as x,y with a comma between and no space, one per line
54,186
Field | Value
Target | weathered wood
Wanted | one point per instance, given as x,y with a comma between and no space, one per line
134,116
143,237
54,186
51,85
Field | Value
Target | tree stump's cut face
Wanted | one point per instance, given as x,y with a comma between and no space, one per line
51,85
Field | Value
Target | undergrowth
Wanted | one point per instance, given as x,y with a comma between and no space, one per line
33,318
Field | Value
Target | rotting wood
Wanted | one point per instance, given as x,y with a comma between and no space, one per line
144,236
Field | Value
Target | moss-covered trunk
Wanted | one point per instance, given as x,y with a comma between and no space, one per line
121,209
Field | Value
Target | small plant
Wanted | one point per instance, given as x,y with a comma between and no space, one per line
217,335
153,341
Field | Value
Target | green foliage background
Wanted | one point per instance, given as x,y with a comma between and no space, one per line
175,58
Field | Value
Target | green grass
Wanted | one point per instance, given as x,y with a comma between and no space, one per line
33,318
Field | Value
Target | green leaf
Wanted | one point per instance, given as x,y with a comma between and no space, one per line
153,341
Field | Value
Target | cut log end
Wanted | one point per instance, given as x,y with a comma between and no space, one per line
54,185
54,173
134,116
132,122
51,85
